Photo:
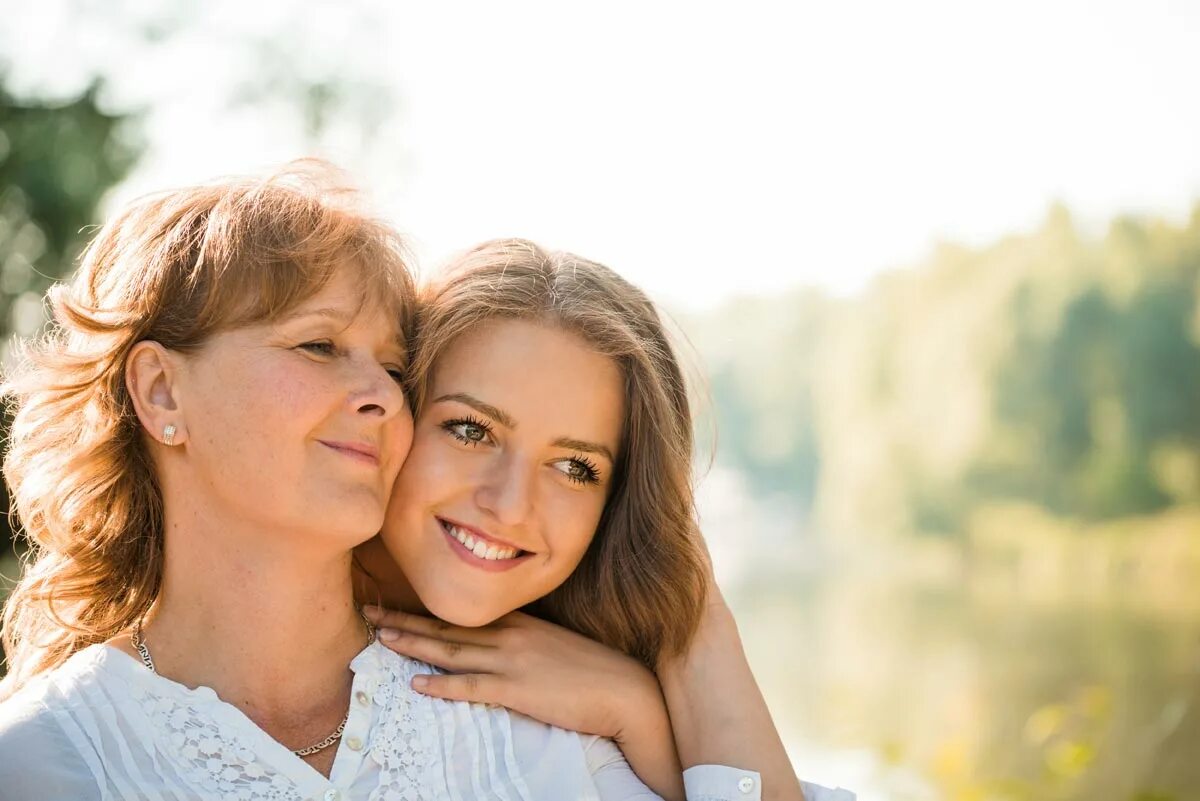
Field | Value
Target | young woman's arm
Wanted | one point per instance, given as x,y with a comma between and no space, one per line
717,712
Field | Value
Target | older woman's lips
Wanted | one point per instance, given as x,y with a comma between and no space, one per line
360,452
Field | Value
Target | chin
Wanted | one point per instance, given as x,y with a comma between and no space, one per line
358,530
455,612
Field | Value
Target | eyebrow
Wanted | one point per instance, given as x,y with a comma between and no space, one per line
502,417
584,445
341,317
338,315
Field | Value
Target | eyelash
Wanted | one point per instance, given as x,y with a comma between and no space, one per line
327,349
591,474
324,348
451,426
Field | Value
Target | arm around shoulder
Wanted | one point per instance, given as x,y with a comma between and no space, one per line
720,718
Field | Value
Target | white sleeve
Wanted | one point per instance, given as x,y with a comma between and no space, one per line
815,792
38,761
614,779
721,783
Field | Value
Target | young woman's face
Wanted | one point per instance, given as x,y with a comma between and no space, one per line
511,463
300,424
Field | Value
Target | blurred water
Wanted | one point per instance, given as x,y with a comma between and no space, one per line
902,686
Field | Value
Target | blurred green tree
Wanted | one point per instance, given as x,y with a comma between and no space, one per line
57,160
1048,368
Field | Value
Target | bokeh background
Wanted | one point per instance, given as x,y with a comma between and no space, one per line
939,264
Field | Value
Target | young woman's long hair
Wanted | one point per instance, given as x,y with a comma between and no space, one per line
175,268
642,583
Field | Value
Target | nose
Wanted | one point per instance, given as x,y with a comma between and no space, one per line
375,391
507,489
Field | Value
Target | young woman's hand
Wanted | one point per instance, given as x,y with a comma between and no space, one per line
549,673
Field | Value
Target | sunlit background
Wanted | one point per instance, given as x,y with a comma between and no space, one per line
939,263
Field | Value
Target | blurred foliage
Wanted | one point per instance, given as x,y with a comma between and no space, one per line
1050,369
56,162
1006,441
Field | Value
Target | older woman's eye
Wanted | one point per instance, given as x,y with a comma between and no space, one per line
468,430
322,347
397,374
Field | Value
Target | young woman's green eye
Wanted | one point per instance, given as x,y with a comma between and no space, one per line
581,470
468,431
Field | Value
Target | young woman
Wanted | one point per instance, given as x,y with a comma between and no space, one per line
551,469
214,422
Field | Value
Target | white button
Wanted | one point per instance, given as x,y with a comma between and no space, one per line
362,698
332,794
746,784
354,744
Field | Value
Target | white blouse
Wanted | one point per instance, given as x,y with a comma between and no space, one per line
102,727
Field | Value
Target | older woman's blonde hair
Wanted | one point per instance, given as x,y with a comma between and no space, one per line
642,583
175,268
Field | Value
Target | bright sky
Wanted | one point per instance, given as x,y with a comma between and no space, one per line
700,149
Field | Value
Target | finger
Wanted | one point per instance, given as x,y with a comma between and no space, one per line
482,688
448,654
427,626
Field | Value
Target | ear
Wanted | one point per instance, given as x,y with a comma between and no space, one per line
151,377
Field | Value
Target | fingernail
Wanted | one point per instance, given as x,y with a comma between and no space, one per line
420,682
371,611
389,635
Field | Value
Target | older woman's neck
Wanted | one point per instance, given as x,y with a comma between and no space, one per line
265,620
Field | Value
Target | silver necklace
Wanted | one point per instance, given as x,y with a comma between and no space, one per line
139,644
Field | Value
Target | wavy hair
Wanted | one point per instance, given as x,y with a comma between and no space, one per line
176,268
641,585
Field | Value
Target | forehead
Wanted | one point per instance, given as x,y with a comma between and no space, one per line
548,380
349,299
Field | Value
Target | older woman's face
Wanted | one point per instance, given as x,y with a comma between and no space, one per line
511,463
300,425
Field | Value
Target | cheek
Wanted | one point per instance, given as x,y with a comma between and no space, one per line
257,423
432,474
263,395
572,523
403,438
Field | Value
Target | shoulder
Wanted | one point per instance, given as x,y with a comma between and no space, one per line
478,746
64,689
29,723
43,756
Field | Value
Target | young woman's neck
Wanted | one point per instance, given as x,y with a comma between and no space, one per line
267,622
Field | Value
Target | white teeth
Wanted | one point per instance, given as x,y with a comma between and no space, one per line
480,548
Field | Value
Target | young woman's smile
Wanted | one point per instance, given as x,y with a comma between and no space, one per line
511,463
